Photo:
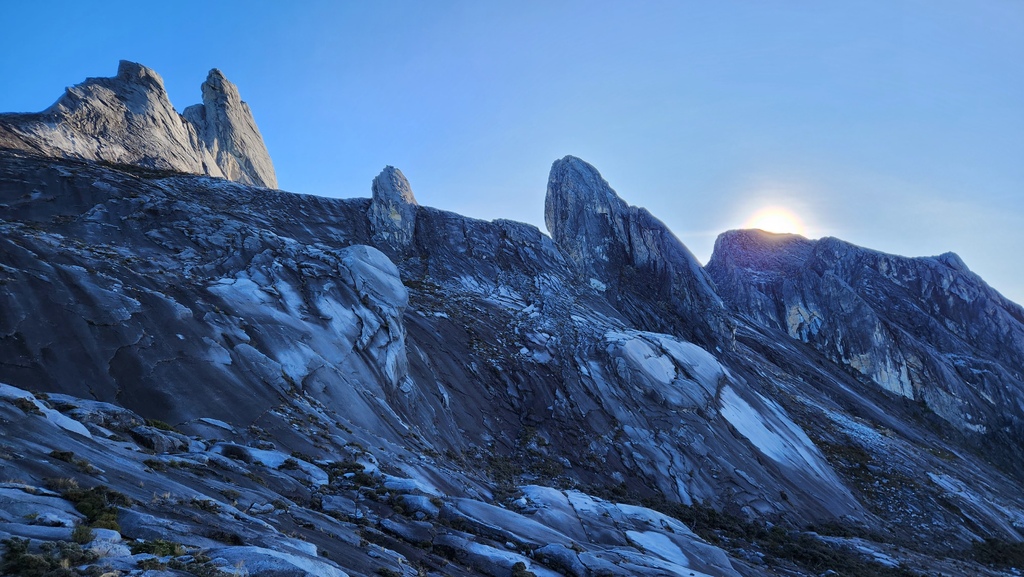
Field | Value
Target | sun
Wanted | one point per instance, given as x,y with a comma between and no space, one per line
776,219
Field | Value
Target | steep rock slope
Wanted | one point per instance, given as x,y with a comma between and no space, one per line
128,119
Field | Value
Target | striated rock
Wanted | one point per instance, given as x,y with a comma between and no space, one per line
625,252
392,212
129,119
927,329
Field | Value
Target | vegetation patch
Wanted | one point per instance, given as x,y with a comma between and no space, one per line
158,424
54,560
27,406
99,505
779,545
158,547
69,457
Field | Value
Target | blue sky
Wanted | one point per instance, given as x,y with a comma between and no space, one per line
896,124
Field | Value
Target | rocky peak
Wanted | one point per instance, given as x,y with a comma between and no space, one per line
393,210
392,186
129,119
227,129
626,252
133,72
756,249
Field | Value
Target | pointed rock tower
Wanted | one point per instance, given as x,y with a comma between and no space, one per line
392,211
228,131
630,255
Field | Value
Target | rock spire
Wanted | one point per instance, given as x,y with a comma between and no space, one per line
629,253
393,210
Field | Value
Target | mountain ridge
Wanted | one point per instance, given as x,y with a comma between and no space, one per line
411,390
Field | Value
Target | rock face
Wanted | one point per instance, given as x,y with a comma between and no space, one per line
625,252
927,329
128,119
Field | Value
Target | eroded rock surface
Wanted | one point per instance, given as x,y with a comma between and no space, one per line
393,210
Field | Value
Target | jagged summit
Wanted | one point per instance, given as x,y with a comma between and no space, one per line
129,119
626,251
128,71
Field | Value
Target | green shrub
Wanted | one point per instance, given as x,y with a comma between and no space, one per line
52,561
99,505
82,534
66,456
520,570
158,424
27,406
151,564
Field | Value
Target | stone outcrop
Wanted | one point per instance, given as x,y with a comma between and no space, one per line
629,254
392,211
927,329
128,119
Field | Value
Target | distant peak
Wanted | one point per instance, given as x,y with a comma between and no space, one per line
391,185
627,251
576,187
757,249
128,119
953,261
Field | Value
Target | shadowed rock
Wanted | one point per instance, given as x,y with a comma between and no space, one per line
393,210
924,328
629,253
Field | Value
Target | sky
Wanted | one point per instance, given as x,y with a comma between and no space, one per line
897,125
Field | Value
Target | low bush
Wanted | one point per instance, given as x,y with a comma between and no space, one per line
99,505
53,561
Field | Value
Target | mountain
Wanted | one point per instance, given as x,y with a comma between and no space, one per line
220,377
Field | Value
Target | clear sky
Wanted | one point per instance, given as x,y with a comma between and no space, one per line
894,124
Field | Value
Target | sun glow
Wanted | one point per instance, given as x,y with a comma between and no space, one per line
776,219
